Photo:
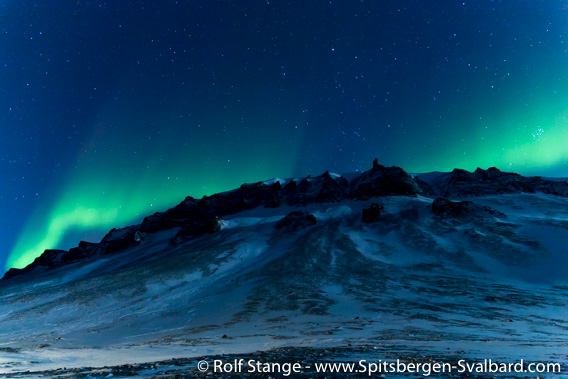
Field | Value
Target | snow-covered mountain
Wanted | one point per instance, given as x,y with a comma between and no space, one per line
374,266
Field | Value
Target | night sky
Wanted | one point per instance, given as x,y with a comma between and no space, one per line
110,111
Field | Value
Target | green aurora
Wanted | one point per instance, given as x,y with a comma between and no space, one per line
118,196
111,111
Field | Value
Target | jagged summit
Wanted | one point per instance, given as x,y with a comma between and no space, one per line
195,217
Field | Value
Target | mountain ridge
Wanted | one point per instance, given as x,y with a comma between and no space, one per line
199,217
362,264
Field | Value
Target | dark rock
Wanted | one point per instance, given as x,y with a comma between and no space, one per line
199,217
184,209
425,187
550,187
9,350
462,209
260,194
84,250
172,218
197,227
373,213
114,241
461,183
139,236
321,189
116,234
383,181
290,186
120,239
159,221
376,164
50,258
131,239
247,196
484,182
13,272
296,220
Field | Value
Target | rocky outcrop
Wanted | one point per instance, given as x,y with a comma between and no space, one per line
120,239
464,210
49,259
373,213
13,272
296,220
461,183
198,227
321,189
171,218
246,197
116,240
425,187
383,181
84,250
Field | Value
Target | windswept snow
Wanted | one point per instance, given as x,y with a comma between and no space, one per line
409,284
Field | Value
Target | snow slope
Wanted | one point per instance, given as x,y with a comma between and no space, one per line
411,283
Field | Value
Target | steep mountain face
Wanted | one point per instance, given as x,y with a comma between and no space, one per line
370,264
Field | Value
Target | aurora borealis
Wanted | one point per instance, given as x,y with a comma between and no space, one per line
111,111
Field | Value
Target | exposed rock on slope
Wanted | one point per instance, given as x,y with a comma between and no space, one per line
320,189
50,258
198,217
197,227
462,209
383,181
425,187
373,213
461,183
296,220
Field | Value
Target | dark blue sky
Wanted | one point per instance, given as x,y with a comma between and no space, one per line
113,110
